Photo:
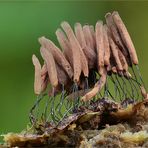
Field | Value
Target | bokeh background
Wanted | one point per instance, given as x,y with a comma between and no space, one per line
22,23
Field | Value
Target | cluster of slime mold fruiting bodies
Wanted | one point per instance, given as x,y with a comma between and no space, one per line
94,62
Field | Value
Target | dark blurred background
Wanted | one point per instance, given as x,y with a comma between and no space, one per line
22,23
